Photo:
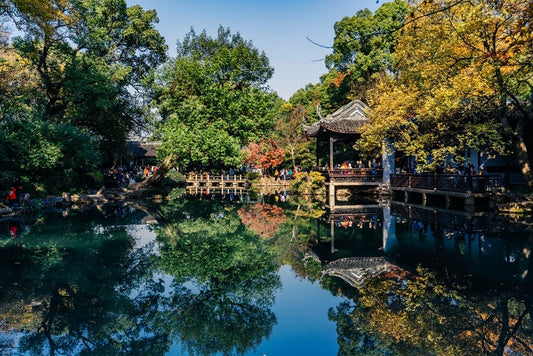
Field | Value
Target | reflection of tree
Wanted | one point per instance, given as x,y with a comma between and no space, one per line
263,219
423,316
298,233
232,280
74,288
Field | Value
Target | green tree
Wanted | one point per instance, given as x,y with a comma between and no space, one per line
213,100
363,47
90,57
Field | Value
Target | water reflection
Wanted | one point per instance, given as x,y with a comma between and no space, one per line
224,278
430,282
202,274
81,283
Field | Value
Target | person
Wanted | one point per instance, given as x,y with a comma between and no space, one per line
11,196
471,170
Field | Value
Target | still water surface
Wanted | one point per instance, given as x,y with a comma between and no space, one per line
223,277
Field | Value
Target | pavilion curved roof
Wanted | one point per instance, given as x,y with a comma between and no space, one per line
355,270
346,120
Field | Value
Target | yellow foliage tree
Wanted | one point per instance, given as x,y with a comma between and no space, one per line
464,81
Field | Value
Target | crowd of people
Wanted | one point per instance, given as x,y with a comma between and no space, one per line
284,174
372,166
461,170
120,176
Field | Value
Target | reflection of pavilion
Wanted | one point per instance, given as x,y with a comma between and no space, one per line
355,270
358,253
407,235
360,216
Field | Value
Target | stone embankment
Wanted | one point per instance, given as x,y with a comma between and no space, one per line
67,200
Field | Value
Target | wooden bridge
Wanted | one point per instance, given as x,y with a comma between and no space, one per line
206,183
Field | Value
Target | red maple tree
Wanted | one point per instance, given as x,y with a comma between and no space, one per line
265,154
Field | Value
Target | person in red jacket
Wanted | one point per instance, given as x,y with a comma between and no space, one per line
11,197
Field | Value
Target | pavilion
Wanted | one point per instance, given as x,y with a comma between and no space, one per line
345,166
341,126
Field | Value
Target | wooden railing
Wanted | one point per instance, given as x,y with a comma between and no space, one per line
363,175
447,182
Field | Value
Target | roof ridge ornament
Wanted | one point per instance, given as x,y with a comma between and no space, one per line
319,112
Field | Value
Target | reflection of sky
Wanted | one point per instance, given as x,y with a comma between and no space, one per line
302,328
143,236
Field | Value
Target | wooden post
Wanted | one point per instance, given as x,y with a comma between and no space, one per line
331,153
317,146
332,231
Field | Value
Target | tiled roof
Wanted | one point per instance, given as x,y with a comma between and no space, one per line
348,119
143,149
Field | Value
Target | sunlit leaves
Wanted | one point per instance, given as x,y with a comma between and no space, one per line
446,97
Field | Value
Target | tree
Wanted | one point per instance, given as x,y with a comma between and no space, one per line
292,137
213,100
464,81
363,47
90,57
263,155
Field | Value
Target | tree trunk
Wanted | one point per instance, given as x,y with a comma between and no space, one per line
168,163
519,130
293,158
523,160
521,148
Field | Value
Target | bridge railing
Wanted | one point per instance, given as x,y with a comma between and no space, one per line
447,182
209,177
363,175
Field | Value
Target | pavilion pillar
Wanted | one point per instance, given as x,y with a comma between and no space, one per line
387,161
317,152
331,195
331,140
332,232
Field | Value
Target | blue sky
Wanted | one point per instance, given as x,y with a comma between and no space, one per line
277,27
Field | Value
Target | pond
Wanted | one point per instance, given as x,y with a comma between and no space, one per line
279,275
